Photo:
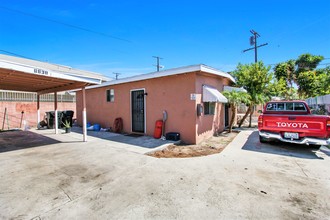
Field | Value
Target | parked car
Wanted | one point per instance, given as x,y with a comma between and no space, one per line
292,121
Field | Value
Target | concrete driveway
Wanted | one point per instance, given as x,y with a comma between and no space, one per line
104,179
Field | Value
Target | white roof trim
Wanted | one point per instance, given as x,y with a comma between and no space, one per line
230,88
211,94
164,73
217,72
47,72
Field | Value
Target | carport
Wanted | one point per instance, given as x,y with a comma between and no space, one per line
21,74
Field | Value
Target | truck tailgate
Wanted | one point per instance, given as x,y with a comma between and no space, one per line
305,125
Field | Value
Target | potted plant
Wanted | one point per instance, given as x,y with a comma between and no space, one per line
67,126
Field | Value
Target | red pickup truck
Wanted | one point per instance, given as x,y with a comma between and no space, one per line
292,121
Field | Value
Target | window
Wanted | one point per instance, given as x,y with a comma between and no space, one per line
289,106
271,107
280,106
209,108
298,106
110,95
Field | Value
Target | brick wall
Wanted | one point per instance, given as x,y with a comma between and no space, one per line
14,110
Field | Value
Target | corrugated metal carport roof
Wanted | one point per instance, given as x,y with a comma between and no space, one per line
22,74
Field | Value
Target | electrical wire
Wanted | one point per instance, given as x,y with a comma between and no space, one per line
15,54
64,24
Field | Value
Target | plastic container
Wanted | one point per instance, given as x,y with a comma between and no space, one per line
97,127
158,129
51,119
173,136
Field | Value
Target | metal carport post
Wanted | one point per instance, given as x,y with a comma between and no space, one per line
84,115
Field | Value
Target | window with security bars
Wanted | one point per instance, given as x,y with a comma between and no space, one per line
110,95
209,108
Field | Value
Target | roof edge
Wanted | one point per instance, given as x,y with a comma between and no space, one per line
169,72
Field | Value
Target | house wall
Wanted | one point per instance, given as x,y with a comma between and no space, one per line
14,110
171,93
208,125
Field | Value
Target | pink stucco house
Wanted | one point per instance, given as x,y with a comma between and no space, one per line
190,96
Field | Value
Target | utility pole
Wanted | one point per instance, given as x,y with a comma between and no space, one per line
158,64
253,42
117,74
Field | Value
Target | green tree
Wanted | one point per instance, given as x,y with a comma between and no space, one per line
277,88
307,81
302,72
314,82
235,98
324,80
255,79
285,72
307,62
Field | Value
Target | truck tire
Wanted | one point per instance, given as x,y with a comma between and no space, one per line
262,139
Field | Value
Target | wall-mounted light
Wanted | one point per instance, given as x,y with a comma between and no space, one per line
145,93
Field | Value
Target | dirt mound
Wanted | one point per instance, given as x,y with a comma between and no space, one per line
212,145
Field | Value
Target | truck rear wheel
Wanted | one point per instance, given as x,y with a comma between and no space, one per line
262,139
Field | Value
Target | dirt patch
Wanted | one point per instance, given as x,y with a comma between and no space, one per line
213,145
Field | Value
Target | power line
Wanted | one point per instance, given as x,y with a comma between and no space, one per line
320,64
15,54
64,24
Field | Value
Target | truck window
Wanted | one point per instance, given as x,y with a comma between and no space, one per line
289,106
286,106
271,107
280,106
299,106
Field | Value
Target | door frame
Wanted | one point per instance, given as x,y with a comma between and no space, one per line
226,113
145,108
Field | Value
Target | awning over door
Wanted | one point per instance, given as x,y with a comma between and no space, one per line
211,94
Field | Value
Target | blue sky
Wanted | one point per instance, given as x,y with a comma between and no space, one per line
182,32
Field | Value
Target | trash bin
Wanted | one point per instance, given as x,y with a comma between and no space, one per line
67,116
51,119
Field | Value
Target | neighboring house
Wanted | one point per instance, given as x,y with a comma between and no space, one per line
190,96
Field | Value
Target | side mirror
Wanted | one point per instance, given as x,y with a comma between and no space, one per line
259,111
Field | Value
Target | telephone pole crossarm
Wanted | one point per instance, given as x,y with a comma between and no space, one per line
252,48
253,41
117,74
